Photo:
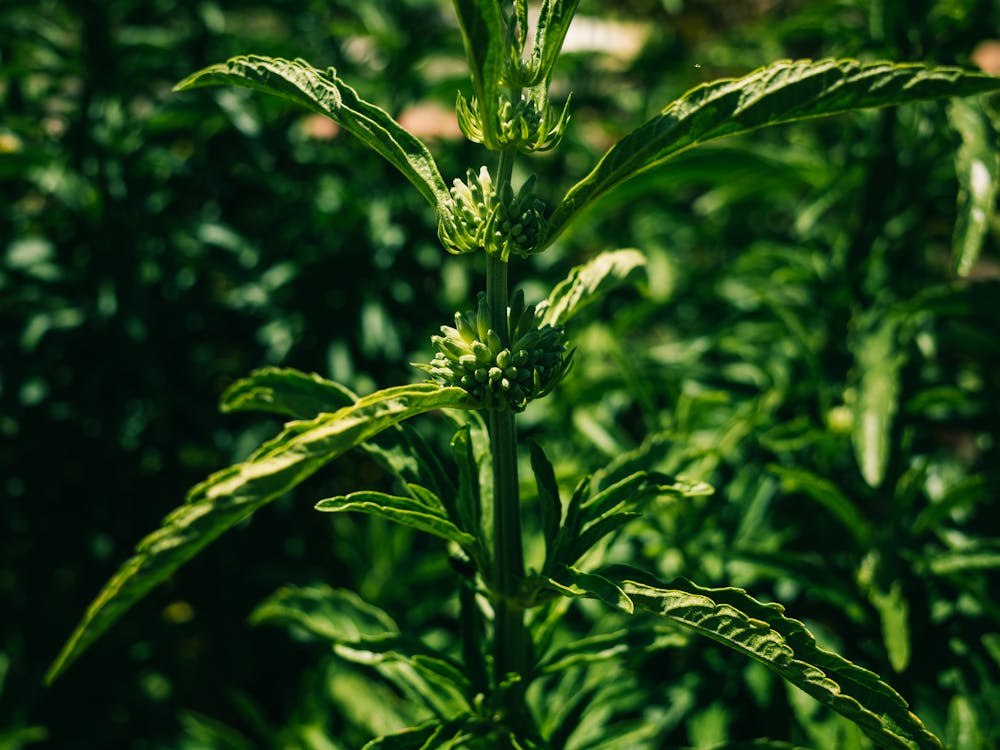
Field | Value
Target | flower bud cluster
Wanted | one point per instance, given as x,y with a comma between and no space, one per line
528,124
463,221
475,217
472,355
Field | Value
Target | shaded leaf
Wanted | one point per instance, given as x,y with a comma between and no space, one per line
334,615
483,36
549,503
327,94
402,510
233,494
977,165
827,494
785,91
588,282
894,612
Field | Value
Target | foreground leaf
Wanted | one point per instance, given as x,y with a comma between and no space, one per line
334,615
287,392
327,94
760,631
233,494
782,92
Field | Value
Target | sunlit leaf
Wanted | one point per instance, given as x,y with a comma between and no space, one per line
287,392
334,615
402,510
785,91
327,94
760,631
589,282
231,495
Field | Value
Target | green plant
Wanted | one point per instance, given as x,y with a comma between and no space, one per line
523,671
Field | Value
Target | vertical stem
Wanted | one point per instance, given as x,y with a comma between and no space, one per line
511,648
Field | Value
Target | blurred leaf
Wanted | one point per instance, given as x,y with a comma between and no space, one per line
977,165
894,612
231,495
879,358
782,92
827,494
327,94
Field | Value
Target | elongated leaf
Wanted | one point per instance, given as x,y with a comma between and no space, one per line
432,735
827,494
287,392
334,615
977,165
589,282
894,612
782,92
231,495
327,94
879,359
550,506
483,35
762,632
402,510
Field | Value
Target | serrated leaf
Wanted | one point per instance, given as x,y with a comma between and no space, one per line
785,91
588,282
287,392
827,494
327,94
575,583
977,166
334,615
233,494
403,510
762,632
553,24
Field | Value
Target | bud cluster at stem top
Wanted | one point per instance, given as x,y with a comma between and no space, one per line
525,121
471,355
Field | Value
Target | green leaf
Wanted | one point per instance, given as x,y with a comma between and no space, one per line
827,494
287,392
549,503
233,494
483,35
325,93
762,632
878,362
402,510
785,91
894,612
578,584
589,282
553,23
334,615
432,735
977,165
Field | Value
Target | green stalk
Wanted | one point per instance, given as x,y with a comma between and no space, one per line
512,646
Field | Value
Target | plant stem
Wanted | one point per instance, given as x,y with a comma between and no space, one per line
511,647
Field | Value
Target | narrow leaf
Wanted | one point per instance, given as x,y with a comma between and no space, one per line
231,495
762,632
334,615
483,35
402,510
894,612
783,92
878,361
977,165
589,282
287,392
550,505
827,494
327,94
575,583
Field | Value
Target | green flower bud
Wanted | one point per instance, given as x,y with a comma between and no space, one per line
495,376
464,219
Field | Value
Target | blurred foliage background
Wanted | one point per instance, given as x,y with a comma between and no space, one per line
801,341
